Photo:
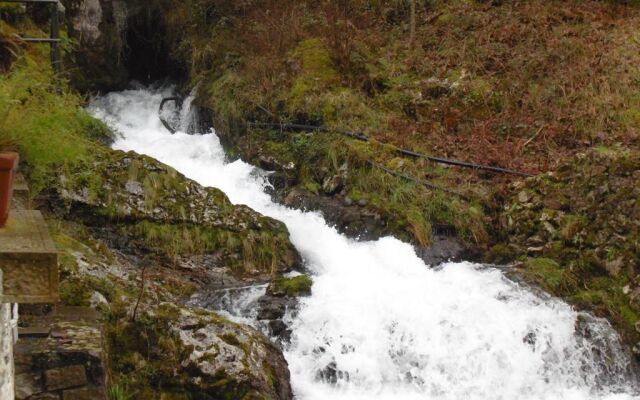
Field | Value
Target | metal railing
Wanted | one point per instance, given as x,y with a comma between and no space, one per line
54,36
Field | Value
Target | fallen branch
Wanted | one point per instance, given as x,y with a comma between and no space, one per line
164,121
533,137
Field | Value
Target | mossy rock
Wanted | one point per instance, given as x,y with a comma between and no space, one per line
290,287
171,351
158,211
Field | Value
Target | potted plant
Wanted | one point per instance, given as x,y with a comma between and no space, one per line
8,166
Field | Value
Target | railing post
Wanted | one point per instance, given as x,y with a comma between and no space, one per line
7,371
55,34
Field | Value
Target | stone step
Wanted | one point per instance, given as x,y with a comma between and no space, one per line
34,332
21,194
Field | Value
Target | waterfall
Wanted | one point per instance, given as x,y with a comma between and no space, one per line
380,324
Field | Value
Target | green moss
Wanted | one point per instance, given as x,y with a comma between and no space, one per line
75,292
244,252
546,272
317,67
292,287
317,73
231,339
228,95
411,209
608,301
500,254
631,118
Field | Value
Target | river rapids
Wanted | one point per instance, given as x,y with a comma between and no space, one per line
387,325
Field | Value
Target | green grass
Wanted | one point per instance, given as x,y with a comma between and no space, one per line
119,392
45,121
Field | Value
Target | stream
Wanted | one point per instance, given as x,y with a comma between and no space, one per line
387,325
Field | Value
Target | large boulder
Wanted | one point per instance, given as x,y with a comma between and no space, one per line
238,354
169,350
98,27
147,208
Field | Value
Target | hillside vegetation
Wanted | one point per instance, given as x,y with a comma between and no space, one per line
548,88
523,85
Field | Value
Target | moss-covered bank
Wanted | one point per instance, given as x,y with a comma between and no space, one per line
502,83
575,232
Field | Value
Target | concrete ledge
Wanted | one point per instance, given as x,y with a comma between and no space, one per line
28,259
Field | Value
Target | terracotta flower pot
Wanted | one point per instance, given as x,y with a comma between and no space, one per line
8,166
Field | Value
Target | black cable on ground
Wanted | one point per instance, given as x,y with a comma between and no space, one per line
418,181
299,127
363,137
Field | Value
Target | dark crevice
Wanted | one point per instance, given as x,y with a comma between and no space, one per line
147,57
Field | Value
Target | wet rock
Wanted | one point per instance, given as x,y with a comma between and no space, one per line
350,220
98,26
331,374
530,339
226,357
67,377
83,394
53,396
86,21
269,163
98,299
272,307
28,384
443,249
278,329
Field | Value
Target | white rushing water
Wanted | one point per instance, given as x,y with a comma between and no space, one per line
381,324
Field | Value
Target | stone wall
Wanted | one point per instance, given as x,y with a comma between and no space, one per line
60,355
6,350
